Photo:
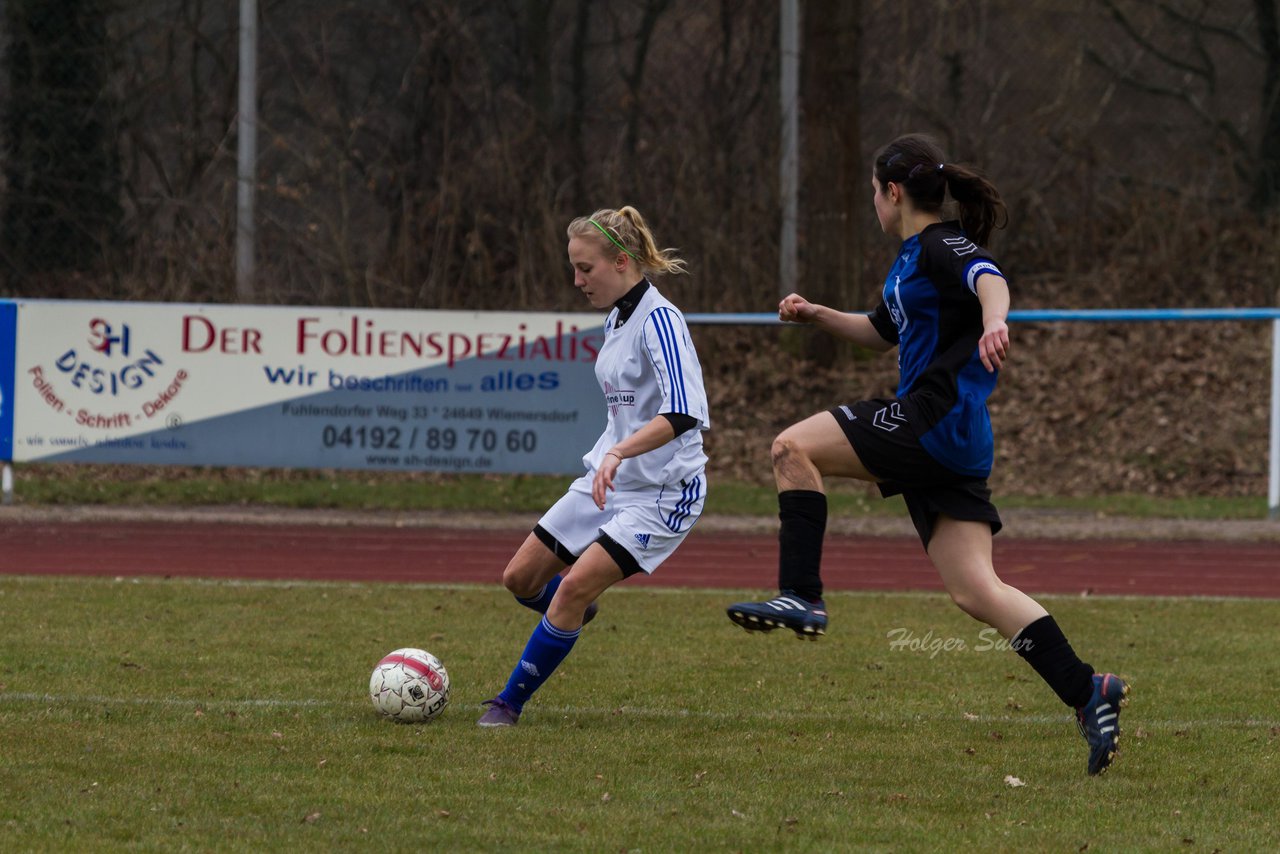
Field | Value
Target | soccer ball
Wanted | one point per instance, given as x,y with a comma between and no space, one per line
409,686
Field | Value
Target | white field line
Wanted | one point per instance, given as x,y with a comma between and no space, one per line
89,700
282,584
617,590
19,698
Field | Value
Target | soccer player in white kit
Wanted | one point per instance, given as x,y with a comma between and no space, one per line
645,483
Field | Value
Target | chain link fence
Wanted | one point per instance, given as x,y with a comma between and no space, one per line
428,153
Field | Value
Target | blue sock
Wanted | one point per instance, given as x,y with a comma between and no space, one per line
546,648
541,601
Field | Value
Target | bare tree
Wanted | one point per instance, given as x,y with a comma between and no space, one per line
1189,56
834,177
61,205
176,86
1267,188
428,153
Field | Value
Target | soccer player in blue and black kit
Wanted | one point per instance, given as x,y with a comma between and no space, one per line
944,306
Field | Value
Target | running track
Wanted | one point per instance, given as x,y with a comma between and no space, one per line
247,550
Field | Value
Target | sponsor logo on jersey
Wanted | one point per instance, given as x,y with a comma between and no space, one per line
616,397
961,245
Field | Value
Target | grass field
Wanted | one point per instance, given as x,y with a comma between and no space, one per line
55,485
182,714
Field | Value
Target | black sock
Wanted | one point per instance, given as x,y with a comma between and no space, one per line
1046,649
803,514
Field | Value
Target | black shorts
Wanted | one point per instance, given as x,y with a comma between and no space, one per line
882,437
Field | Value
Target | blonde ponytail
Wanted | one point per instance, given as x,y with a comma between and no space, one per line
625,229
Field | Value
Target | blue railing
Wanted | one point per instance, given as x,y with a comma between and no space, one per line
1045,315
1114,315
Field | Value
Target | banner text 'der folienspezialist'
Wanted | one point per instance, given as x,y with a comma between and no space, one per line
115,382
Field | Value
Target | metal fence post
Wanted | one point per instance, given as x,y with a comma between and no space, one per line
1273,488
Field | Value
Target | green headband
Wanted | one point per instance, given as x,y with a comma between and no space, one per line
611,239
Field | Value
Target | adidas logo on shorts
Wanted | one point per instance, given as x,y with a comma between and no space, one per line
643,540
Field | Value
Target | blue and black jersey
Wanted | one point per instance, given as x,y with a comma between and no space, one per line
930,309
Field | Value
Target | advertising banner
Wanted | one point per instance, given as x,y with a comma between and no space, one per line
119,382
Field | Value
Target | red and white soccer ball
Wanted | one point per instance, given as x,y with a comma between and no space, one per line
409,686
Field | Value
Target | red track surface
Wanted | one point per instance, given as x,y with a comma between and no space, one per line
707,559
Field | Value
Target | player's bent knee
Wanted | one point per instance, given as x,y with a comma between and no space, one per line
519,580
965,601
979,603
567,609
973,601
572,594
785,448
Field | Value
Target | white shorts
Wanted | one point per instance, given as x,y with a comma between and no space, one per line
649,522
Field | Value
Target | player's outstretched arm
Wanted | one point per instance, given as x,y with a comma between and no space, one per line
855,327
993,346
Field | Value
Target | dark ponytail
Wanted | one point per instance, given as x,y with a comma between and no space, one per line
916,163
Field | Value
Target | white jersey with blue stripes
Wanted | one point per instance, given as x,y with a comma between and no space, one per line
646,367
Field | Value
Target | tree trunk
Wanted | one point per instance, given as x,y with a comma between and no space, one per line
653,11
62,205
578,102
1266,189
833,178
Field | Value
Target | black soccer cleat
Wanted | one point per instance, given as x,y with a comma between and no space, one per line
1099,720
788,611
